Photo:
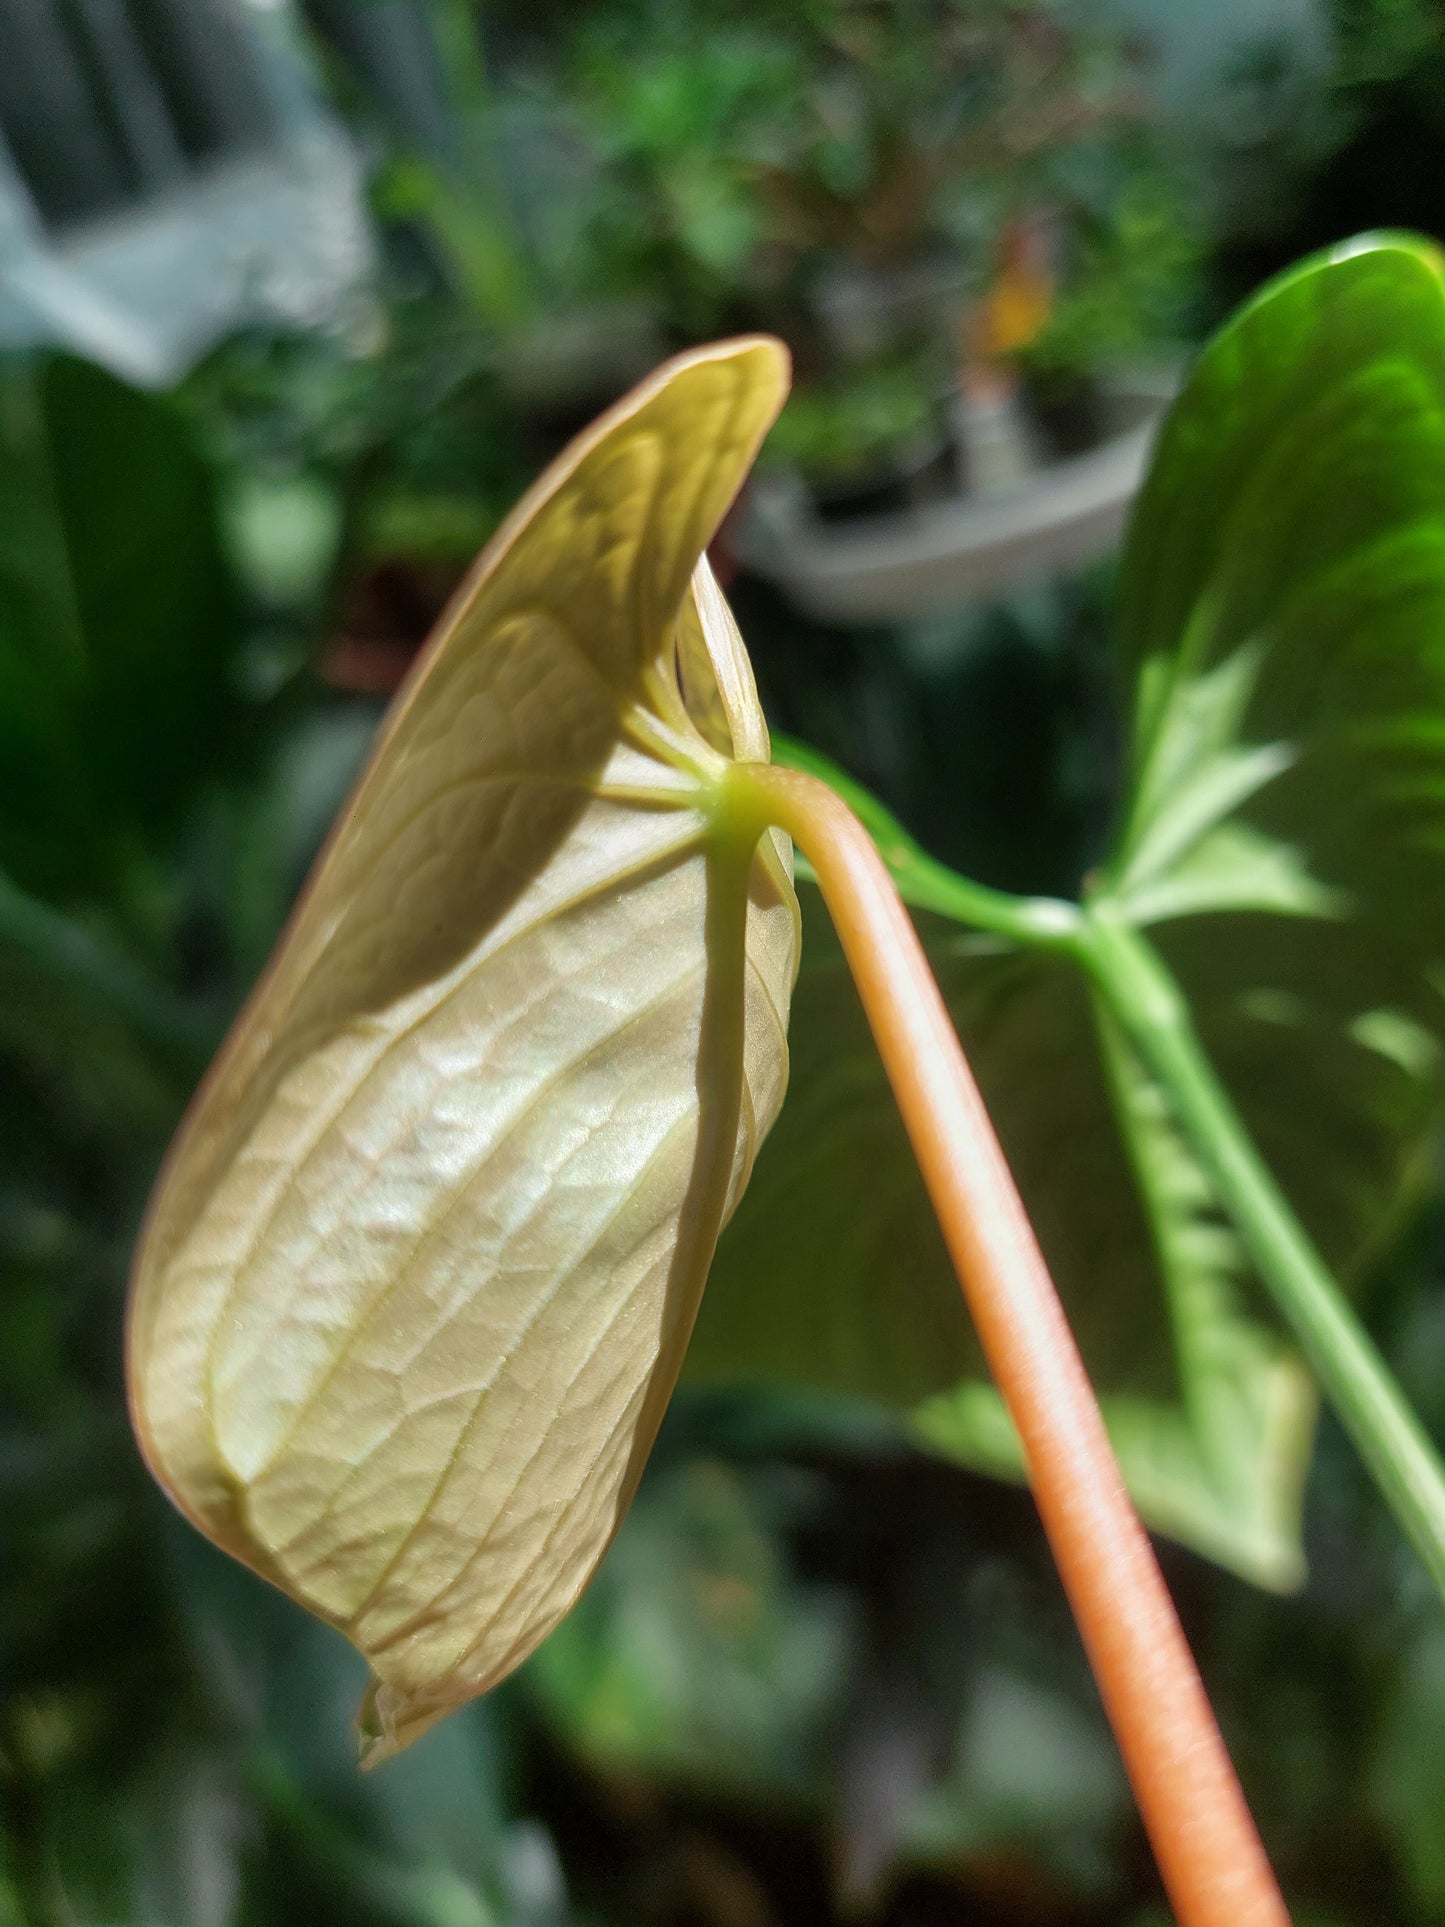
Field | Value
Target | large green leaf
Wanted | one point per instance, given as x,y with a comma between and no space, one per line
833,1272
1282,625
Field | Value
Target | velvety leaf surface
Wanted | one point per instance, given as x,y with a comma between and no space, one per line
417,1281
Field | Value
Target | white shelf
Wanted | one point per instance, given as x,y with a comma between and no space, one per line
912,561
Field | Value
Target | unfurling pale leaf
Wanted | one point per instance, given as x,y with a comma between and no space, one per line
418,1276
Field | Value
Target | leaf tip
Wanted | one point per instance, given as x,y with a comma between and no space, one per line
388,1722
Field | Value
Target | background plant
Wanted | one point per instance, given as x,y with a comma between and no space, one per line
842,176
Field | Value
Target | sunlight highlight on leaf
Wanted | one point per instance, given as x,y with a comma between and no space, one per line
419,1274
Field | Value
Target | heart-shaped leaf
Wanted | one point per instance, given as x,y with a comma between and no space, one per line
1283,614
1282,622
418,1277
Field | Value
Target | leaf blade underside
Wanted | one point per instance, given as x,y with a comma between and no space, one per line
418,1276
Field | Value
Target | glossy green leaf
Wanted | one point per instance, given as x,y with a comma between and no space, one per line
1282,623
700,1657
418,1277
1283,613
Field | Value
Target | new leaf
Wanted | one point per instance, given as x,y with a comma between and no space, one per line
418,1277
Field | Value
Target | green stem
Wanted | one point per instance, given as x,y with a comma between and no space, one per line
1143,997
1035,923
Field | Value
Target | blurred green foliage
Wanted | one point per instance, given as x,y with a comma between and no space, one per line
621,179
824,1675
110,708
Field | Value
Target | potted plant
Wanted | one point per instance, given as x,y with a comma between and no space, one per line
505,1079
1023,251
